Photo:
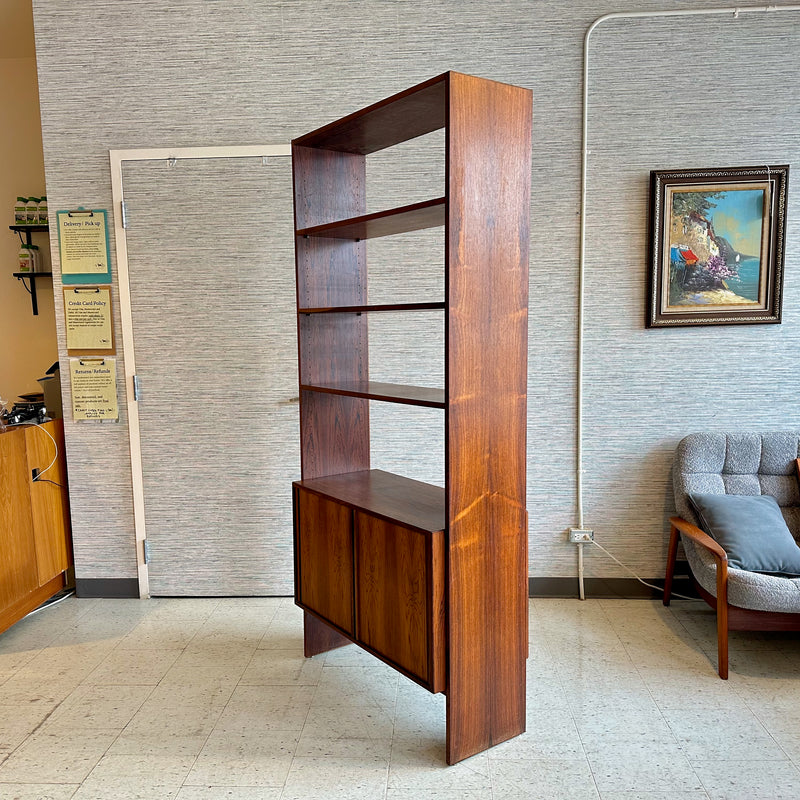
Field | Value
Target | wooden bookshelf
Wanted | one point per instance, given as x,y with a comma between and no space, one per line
431,580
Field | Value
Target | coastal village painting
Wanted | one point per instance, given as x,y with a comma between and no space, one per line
716,242
715,246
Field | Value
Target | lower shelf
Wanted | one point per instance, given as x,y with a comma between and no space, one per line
370,562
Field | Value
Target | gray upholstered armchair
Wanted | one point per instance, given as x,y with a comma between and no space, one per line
758,588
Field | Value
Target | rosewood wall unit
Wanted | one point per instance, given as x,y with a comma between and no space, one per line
431,580
34,520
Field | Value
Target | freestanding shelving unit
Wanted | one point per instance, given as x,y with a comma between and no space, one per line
431,580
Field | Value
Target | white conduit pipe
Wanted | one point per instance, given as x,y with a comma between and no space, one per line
735,12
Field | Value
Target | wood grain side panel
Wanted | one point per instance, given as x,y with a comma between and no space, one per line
489,141
334,431
324,554
49,503
18,561
334,434
392,614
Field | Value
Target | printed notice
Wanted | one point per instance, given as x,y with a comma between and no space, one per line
83,246
94,388
87,313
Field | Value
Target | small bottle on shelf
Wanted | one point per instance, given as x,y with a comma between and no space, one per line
43,219
26,258
21,211
32,210
36,264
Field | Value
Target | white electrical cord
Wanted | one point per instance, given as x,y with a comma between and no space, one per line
628,569
55,445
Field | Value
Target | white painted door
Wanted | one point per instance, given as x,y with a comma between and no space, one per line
211,275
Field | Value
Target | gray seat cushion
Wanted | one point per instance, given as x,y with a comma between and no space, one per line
744,464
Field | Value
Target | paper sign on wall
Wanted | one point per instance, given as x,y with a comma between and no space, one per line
83,246
94,388
87,313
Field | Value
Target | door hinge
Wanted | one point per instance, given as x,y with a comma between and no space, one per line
123,207
146,544
137,389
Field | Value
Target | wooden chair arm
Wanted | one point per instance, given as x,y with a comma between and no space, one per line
701,537
721,600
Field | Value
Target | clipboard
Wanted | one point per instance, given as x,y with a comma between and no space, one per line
94,389
83,246
88,320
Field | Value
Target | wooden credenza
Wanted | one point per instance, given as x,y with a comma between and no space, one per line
35,541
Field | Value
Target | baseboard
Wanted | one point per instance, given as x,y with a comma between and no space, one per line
622,588
106,587
627,588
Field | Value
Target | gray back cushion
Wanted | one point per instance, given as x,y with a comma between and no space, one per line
739,463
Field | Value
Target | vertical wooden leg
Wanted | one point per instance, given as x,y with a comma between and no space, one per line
319,637
722,619
722,641
672,554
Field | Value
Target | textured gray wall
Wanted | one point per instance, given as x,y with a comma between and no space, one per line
665,93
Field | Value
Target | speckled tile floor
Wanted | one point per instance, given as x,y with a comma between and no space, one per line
205,699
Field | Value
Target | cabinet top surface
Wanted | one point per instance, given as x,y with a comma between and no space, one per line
394,497
414,112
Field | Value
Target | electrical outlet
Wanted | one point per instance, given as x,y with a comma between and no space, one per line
35,474
579,535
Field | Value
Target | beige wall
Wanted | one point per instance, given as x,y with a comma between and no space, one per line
27,342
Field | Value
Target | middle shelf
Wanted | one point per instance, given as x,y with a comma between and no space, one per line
414,217
386,392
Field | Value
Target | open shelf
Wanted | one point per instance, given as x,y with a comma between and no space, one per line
393,497
374,308
406,115
385,392
32,228
415,217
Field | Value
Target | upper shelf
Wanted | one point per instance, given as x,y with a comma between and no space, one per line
416,217
406,115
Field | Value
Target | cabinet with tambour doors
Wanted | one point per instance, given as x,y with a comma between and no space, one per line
431,580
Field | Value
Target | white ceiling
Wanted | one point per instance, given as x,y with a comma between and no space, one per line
16,29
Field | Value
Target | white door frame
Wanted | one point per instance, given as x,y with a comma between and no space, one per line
118,158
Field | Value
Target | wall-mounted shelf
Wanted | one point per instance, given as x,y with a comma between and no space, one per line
29,228
20,276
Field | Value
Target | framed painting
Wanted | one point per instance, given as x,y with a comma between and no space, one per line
716,246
